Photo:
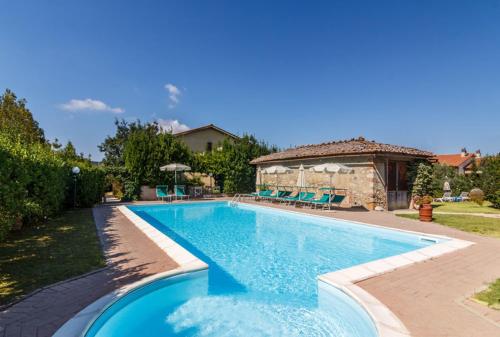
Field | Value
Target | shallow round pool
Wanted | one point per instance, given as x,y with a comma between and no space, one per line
183,305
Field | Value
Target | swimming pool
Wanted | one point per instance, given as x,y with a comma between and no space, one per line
262,276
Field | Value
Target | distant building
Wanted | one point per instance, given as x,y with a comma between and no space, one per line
463,162
205,138
379,176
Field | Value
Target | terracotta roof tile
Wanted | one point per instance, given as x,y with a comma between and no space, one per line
454,160
343,147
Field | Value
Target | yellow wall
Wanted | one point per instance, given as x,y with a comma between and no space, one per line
197,141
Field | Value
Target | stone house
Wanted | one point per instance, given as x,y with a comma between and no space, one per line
379,176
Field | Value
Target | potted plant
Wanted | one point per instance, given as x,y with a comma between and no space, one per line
425,209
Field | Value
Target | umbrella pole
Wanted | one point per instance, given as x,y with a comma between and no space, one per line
330,194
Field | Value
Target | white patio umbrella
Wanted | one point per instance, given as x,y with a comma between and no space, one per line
277,170
446,186
331,169
258,178
301,179
175,167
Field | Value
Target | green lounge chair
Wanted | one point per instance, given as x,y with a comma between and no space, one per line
325,198
162,192
283,195
306,199
334,199
180,193
271,195
262,194
337,199
294,198
278,195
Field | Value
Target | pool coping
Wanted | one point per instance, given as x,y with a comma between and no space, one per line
386,322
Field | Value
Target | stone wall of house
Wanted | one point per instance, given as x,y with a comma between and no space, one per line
379,184
363,185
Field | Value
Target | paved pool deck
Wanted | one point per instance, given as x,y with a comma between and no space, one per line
431,297
130,256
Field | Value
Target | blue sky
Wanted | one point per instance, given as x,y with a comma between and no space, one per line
416,73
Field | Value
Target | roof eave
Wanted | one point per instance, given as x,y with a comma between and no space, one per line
422,156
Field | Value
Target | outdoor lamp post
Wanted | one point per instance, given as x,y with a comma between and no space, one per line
75,170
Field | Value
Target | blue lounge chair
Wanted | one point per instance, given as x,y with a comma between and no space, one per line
162,192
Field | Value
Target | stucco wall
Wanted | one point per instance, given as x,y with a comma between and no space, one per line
362,184
197,141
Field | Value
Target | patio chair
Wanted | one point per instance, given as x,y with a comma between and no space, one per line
445,198
180,192
464,196
162,192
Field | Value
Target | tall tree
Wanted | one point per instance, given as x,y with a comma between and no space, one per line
17,121
147,149
113,146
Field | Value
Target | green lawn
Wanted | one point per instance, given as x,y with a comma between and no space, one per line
37,256
467,223
490,296
465,207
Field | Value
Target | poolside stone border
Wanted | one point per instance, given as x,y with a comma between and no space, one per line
386,322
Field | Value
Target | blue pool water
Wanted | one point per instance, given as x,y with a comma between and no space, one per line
262,276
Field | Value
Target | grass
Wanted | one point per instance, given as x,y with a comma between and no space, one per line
465,207
467,223
490,296
61,248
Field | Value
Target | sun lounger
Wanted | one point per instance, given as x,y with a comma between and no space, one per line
307,198
321,201
294,198
445,198
464,196
328,200
162,192
279,195
179,192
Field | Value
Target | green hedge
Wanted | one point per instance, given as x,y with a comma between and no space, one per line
36,183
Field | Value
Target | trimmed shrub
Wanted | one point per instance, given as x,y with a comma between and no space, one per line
477,195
